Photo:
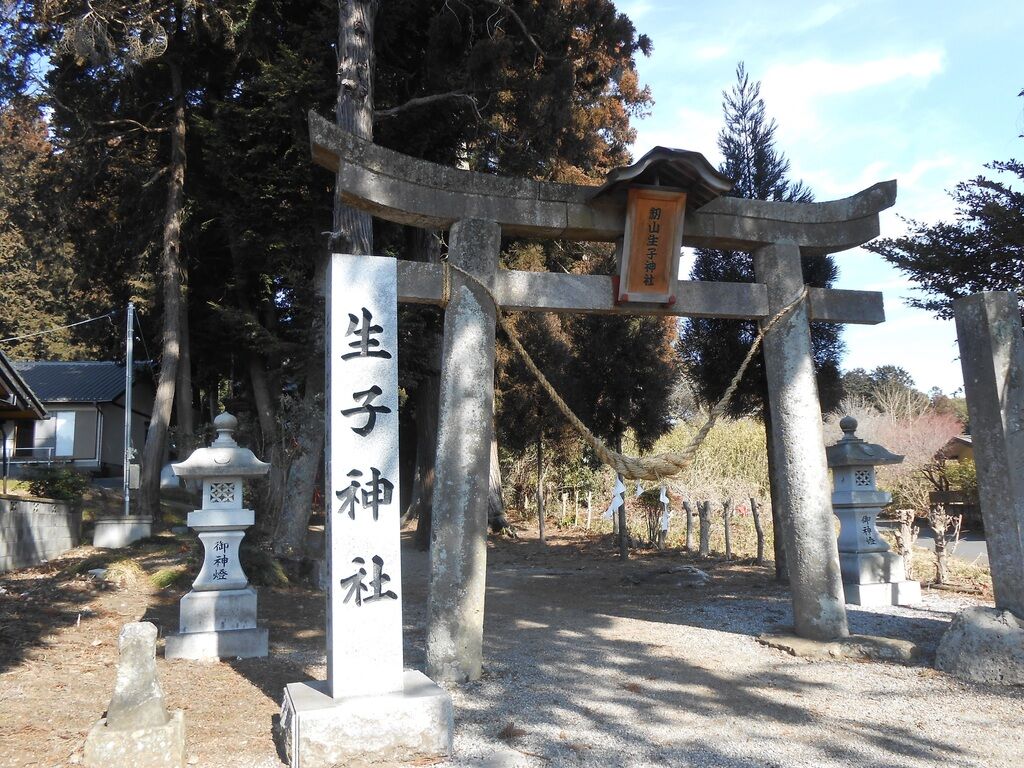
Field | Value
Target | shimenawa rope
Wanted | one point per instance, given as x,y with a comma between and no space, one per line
655,467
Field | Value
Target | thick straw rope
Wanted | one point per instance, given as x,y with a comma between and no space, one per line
655,467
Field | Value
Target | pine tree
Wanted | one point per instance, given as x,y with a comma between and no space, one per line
147,65
540,89
981,250
713,349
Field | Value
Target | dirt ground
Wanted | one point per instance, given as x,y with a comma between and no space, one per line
588,662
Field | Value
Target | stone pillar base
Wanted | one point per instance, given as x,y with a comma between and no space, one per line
224,644
892,593
413,724
985,645
217,610
871,567
159,747
118,532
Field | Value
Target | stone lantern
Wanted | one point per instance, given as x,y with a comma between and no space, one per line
218,617
872,573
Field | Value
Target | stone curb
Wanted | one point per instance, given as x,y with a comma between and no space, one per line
852,648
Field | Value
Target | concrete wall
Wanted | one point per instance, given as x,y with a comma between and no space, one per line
33,530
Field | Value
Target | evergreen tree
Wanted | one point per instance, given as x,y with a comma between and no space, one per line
543,90
539,89
148,63
38,291
713,349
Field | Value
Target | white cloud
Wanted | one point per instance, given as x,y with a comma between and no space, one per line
829,185
818,77
819,17
691,129
795,91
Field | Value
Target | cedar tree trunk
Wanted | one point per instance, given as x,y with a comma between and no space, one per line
170,280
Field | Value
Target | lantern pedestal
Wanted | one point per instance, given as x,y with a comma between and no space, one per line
891,593
220,644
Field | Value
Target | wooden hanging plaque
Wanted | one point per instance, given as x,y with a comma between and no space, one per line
651,243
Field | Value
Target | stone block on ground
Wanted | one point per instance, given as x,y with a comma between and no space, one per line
413,724
138,731
118,532
675,576
225,609
852,648
161,746
886,593
227,644
984,645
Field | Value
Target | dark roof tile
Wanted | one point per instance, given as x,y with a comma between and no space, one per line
74,382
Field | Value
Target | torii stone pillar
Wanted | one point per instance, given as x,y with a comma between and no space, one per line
803,484
458,546
987,644
992,357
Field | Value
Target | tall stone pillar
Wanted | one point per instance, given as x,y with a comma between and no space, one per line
984,644
458,545
799,440
369,710
988,330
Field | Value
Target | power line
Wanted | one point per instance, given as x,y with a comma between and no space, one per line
145,346
109,316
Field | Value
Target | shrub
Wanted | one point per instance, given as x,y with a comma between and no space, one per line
61,483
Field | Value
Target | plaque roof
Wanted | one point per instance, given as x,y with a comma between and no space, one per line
667,167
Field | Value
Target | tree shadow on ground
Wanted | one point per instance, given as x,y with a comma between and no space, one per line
596,670
741,597
32,609
39,602
615,662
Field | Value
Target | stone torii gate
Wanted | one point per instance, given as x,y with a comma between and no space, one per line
480,209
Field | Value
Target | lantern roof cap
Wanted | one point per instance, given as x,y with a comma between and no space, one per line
224,457
852,451
666,167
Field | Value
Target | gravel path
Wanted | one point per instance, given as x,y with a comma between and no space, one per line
593,670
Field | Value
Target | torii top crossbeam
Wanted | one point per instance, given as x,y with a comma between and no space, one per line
407,190
415,192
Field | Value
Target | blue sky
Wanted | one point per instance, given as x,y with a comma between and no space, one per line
862,91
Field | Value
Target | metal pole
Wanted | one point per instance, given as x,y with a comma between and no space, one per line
129,364
6,461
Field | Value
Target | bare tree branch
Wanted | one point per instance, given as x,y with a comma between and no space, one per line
522,25
156,176
138,126
422,101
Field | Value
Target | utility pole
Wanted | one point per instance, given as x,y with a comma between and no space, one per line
128,381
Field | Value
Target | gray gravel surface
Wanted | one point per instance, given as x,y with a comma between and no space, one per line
584,667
